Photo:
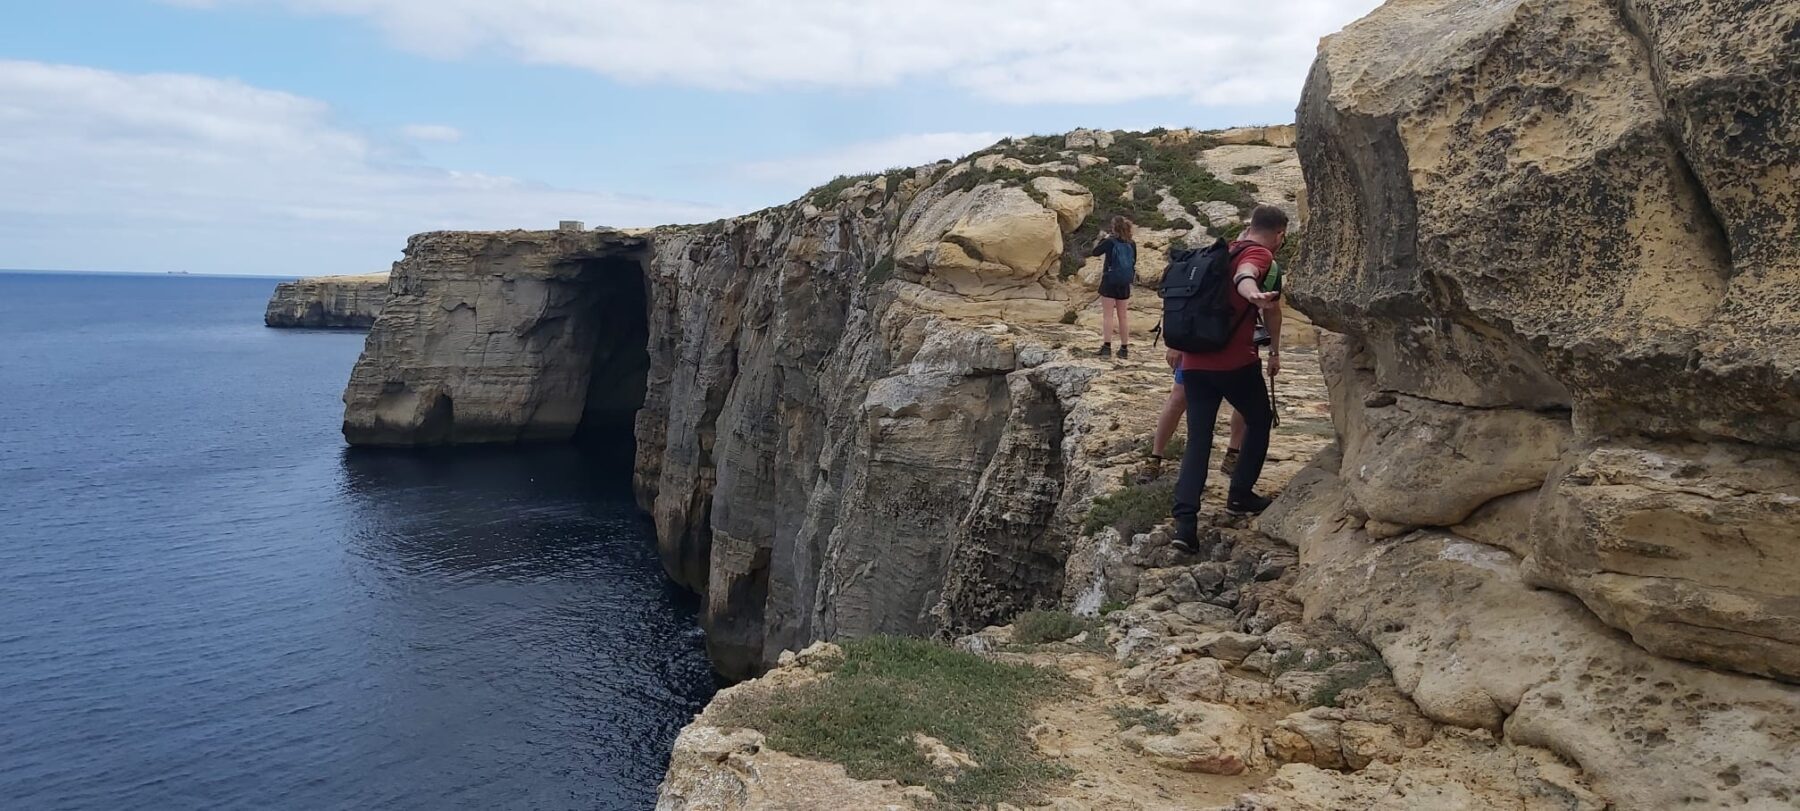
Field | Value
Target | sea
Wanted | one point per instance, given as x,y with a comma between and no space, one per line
208,600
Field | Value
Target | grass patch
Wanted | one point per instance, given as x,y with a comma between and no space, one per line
1131,510
1112,605
1154,722
1036,627
888,688
1327,694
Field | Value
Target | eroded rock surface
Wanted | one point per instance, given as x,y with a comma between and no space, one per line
328,302
1583,285
1564,394
499,337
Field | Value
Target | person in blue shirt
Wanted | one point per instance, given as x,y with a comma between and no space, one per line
1116,276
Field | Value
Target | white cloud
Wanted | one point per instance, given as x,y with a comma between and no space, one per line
1022,51
804,171
165,171
435,133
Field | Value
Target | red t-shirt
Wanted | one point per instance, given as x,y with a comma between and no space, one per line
1241,351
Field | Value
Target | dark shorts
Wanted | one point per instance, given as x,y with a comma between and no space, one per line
1114,289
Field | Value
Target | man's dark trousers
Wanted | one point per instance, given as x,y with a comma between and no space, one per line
1245,391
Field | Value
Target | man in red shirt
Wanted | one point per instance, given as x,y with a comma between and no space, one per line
1234,375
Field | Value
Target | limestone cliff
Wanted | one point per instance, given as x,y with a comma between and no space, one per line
328,302
1559,238
859,412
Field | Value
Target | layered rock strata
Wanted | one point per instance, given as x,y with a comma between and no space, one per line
1574,300
1558,240
328,302
860,412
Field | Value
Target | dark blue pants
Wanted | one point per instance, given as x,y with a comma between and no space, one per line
1245,391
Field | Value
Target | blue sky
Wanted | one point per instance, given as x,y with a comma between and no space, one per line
301,137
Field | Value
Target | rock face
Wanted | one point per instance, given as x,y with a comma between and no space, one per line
1585,286
503,337
328,302
859,413
1558,239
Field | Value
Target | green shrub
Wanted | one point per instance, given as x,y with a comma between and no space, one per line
1110,606
1154,722
882,271
1037,627
827,195
1327,694
1133,509
864,715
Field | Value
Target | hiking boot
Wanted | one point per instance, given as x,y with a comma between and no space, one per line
1228,465
1124,353
1251,504
1152,470
1106,350
1187,536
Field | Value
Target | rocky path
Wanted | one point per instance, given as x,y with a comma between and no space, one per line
1209,688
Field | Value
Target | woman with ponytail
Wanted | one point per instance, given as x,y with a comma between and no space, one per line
1116,277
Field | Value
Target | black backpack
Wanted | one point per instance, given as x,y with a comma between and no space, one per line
1196,294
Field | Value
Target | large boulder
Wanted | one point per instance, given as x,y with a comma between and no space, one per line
987,243
1561,239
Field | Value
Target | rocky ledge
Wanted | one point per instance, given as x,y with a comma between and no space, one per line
328,302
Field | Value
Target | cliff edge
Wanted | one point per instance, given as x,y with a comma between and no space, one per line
860,413
328,302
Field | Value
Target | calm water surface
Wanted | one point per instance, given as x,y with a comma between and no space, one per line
208,601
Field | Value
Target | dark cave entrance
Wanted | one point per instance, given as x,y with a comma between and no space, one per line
617,322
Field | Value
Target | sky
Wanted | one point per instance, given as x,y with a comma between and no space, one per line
311,137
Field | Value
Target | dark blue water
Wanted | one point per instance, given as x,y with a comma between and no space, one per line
208,601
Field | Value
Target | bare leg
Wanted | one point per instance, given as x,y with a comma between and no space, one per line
1106,320
1174,406
1124,328
1237,431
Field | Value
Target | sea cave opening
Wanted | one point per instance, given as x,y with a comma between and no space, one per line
617,327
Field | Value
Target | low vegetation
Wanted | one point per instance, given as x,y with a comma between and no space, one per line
826,196
881,272
1037,627
1162,160
1344,670
1349,678
1132,510
1154,722
865,714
